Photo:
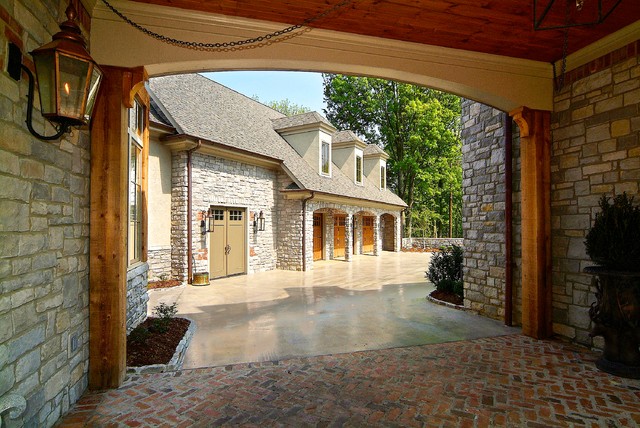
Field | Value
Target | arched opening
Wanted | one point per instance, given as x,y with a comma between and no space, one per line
388,232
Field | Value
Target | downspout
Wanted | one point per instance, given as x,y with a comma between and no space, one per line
508,219
189,214
304,230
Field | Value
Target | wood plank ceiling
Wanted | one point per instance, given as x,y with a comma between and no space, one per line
501,27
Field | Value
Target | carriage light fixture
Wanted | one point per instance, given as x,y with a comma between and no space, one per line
68,78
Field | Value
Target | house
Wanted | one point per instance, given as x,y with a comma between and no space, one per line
253,190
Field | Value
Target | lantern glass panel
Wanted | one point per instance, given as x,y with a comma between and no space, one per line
96,77
45,71
72,83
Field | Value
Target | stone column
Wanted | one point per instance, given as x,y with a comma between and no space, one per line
377,241
348,237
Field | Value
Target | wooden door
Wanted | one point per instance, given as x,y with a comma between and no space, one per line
317,236
367,234
227,248
236,250
339,222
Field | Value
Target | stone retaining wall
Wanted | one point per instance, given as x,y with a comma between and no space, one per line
159,260
431,242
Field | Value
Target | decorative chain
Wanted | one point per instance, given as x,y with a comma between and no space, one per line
252,43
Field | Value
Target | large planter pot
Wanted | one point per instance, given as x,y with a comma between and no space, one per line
616,317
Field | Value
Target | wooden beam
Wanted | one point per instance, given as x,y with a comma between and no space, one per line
535,154
108,231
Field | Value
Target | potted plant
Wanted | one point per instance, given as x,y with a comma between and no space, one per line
613,243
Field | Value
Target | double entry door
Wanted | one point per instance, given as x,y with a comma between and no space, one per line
227,248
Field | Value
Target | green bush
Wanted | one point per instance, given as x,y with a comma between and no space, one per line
164,314
614,239
445,270
139,334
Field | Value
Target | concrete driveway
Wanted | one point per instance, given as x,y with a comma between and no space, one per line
370,303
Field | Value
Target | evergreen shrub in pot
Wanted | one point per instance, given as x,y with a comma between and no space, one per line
613,243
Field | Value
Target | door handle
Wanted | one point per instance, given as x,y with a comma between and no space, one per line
227,249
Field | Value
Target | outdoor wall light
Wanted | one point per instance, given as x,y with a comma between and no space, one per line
68,78
258,222
561,14
206,224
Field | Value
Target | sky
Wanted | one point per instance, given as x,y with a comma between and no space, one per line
302,88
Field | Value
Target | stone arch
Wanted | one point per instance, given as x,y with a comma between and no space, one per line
389,232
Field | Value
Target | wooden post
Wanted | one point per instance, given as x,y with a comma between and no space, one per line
108,227
535,154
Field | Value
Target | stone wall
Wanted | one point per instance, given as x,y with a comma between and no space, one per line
44,236
289,229
159,260
431,242
221,182
483,206
596,151
137,296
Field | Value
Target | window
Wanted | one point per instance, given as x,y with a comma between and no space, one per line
135,129
325,160
358,168
218,214
235,215
383,176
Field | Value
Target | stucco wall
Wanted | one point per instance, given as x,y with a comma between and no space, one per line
44,239
596,150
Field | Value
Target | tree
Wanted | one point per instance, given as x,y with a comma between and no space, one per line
418,127
285,106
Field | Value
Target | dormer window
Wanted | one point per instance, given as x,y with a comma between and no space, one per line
383,176
325,160
358,166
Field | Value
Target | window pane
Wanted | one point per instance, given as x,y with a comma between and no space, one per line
325,157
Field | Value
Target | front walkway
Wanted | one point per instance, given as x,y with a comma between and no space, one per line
369,303
506,381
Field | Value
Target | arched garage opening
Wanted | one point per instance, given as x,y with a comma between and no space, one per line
388,232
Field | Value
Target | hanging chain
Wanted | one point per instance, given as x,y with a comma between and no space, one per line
252,43
559,81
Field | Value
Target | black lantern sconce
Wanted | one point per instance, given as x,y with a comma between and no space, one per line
206,224
258,222
68,78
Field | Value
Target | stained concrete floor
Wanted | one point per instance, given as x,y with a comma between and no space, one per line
370,303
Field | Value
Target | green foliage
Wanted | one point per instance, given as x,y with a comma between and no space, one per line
614,239
139,334
445,270
285,106
420,130
164,314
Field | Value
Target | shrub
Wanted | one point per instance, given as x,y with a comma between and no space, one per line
164,314
445,270
614,239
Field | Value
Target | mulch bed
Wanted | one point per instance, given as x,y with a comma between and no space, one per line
163,284
157,348
447,297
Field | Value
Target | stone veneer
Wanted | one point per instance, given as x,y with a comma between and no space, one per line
137,296
44,236
596,151
431,242
221,182
483,205
159,260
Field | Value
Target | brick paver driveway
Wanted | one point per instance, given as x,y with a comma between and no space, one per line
507,381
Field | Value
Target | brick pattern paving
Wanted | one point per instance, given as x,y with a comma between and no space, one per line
500,381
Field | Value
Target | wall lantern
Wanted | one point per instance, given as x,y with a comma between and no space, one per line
206,224
560,14
258,222
68,78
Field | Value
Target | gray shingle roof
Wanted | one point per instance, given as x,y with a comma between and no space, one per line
309,118
344,136
374,149
202,108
